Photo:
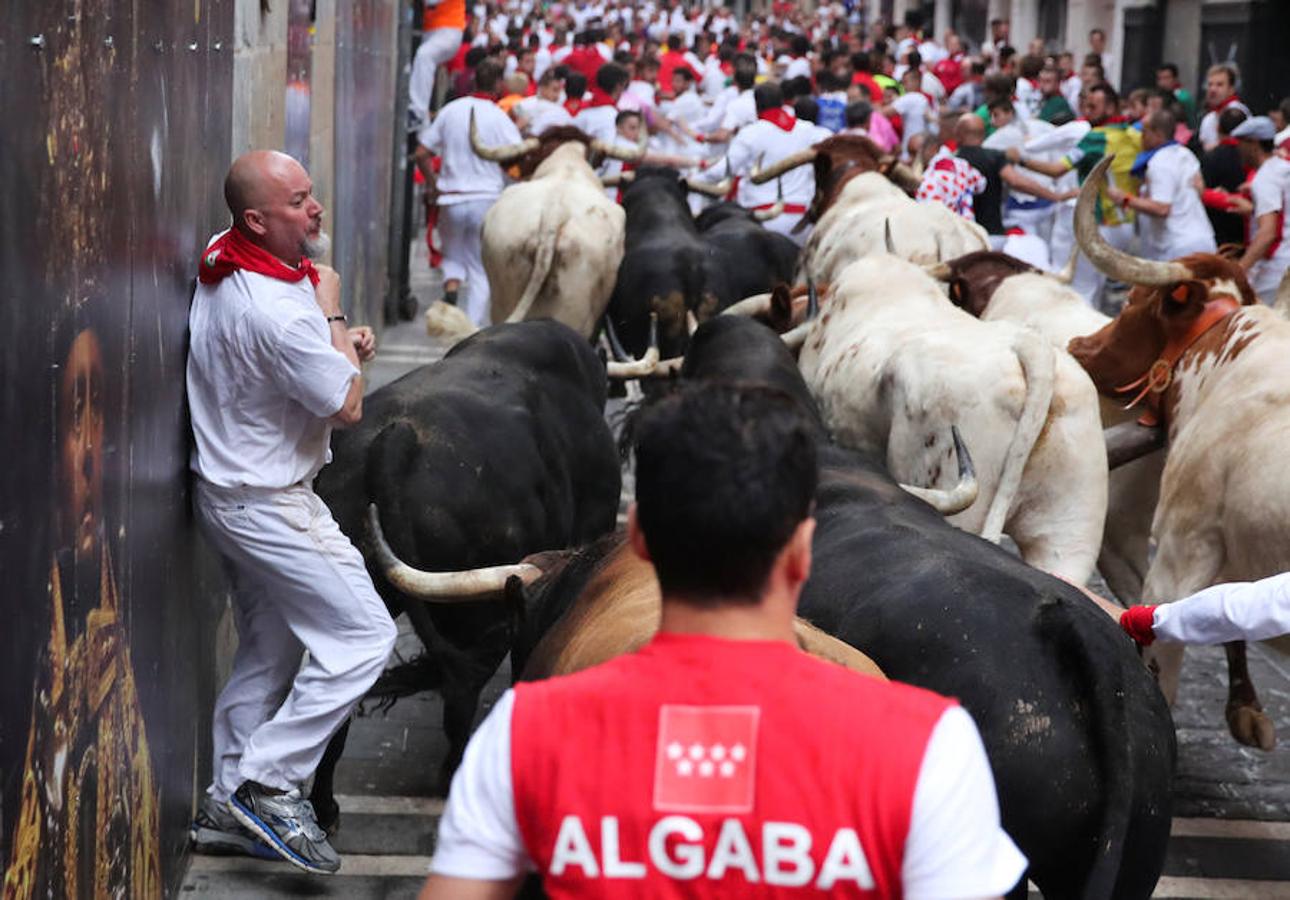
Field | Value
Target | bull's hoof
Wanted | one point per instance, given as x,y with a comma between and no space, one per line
1251,726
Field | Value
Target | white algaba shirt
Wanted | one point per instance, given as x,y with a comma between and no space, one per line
951,849
1169,179
263,379
465,175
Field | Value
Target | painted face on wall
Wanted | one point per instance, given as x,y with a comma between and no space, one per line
80,431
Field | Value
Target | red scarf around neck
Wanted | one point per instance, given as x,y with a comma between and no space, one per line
1228,102
779,117
232,251
599,98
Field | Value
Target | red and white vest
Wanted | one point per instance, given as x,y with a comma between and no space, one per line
700,767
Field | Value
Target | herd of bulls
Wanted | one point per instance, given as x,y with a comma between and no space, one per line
483,489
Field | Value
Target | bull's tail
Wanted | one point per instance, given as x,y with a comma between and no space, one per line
1113,737
1037,367
548,235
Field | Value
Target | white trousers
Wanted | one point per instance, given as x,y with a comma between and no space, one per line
461,230
437,46
784,223
298,584
1089,280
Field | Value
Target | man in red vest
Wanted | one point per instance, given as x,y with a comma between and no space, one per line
719,758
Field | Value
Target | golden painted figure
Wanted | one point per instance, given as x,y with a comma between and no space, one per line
87,823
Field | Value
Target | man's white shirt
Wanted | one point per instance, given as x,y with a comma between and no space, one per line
955,846
1187,229
466,176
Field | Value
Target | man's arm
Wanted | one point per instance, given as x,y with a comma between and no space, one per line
327,293
1018,182
1239,611
1054,169
1264,237
1157,208
956,846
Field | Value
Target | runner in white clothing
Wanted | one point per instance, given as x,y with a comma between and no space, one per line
1239,611
467,185
1267,255
271,368
1173,223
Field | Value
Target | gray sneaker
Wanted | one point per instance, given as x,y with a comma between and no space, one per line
214,831
285,822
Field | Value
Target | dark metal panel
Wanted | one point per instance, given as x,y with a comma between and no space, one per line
108,184
366,46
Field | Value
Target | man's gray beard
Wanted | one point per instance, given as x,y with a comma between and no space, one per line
317,248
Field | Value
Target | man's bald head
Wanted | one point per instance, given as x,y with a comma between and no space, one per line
271,199
252,179
969,129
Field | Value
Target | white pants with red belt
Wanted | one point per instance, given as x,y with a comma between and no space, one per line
298,584
461,227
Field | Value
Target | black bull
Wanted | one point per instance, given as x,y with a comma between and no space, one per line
673,265
1079,737
497,451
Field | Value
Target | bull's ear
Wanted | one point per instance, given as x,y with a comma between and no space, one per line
1183,296
781,308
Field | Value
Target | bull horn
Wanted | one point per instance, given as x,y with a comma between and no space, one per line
1066,274
441,587
718,190
940,271
691,323
504,154
962,495
940,251
1116,263
617,178
886,236
1129,441
812,299
770,212
796,337
755,307
641,367
616,151
615,346
904,178
787,164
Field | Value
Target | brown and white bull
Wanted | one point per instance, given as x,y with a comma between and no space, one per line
893,365
1194,348
551,243
862,196
995,287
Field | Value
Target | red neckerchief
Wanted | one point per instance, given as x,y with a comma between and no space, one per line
599,98
1228,142
232,251
483,96
572,105
1228,102
779,117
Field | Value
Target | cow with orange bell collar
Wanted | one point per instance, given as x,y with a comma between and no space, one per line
1196,352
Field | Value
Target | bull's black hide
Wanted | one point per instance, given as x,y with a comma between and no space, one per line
497,451
673,264
1079,737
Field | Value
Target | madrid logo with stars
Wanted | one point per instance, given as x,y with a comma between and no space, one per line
706,759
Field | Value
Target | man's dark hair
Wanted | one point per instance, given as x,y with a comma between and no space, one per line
998,85
1229,118
915,59
796,87
612,76
1003,103
800,44
1112,98
860,62
675,42
575,84
745,75
724,475
977,67
1031,66
625,115
1006,53
475,55
1098,31
1171,68
1162,122
487,74
806,108
685,72
768,95
858,114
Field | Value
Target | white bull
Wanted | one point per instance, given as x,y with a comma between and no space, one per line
1050,307
893,365
869,208
552,243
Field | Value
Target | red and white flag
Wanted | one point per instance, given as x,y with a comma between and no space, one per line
706,761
